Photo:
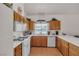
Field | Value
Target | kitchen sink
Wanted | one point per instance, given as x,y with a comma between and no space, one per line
20,38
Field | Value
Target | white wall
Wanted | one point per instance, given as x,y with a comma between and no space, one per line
21,5
69,22
6,29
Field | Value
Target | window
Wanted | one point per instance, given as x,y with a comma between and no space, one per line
41,28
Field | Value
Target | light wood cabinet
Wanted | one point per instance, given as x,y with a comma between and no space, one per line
43,41
73,50
35,41
18,50
22,19
62,46
31,25
39,41
54,25
58,43
28,25
16,17
66,48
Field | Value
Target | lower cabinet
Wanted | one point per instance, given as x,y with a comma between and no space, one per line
43,40
62,46
73,50
39,41
66,48
35,41
58,43
18,50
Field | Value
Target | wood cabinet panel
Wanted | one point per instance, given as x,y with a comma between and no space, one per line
58,43
28,24
16,17
21,19
39,41
35,41
66,48
54,25
73,50
18,50
43,41
62,46
31,25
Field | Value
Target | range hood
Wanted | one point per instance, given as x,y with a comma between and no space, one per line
41,21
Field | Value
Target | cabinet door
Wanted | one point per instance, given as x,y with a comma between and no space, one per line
35,41
58,43
16,16
31,25
28,25
18,50
54,25
43,40
73,50
64,48
39,41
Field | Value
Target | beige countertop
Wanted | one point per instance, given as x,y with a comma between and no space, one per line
70,39
16,43
43,35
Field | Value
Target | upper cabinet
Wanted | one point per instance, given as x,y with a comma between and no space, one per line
17,16
27,22
54,25
31,25
19,8
20,22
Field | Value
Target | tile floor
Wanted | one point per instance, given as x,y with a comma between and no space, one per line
42,51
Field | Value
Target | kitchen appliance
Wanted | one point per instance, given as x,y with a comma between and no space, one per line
51,41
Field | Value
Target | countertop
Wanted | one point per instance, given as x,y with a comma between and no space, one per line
16,43
71,39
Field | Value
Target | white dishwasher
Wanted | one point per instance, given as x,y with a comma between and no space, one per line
26,47
51,41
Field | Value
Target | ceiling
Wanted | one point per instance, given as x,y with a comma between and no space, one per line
51,8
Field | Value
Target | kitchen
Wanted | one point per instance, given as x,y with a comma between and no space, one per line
40,29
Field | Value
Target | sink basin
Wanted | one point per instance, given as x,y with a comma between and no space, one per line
21,38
